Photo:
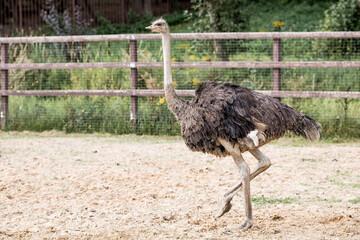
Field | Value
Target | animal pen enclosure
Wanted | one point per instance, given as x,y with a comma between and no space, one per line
77,186
112,83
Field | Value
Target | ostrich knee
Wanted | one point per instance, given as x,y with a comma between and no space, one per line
264,162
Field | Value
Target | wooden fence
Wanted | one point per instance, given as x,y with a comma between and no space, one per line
134,65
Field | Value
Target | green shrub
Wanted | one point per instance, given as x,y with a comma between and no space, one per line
341,16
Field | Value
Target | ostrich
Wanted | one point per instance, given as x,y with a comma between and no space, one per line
225,119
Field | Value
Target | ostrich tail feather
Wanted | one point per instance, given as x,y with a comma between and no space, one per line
308,128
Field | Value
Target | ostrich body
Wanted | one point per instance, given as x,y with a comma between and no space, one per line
225,119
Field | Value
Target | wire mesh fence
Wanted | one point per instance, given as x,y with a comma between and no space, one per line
112,113
24,17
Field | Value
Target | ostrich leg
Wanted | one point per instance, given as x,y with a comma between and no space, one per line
263,164
244,171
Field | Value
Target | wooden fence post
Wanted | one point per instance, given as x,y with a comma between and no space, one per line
277,71
134,78
4,85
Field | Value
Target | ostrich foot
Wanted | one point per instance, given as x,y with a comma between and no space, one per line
246,224
225,207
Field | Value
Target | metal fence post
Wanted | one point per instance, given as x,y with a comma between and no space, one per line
277,71
4,85
134,78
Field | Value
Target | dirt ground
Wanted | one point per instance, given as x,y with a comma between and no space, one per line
58,186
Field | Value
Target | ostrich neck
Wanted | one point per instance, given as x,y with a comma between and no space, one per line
167,60
175,104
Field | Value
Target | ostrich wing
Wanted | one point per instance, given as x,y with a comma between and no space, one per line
218,110
229,106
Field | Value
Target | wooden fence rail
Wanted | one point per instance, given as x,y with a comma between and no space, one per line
134,65
182,93
219,64
181,36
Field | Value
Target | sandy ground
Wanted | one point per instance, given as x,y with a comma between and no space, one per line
57,186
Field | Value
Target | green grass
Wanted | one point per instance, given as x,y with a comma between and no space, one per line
264,200
343,184
89,115
355,200
332,200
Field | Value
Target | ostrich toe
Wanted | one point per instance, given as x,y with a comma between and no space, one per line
225,207
244,226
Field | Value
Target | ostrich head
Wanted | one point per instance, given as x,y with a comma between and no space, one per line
159,26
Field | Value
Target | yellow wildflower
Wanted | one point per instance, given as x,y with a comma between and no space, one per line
172,72
192,70
206,58
83,110
278,24
195,81
175,84
184,46
173,59
261,30
192,57
161,101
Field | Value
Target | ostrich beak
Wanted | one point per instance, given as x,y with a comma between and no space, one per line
149,27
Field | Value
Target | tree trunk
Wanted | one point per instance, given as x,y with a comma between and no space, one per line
147,7
220,44
221,51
